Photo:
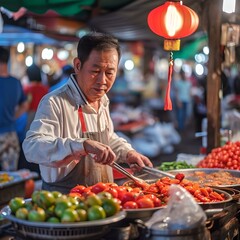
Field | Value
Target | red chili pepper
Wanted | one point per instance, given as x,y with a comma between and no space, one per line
180,176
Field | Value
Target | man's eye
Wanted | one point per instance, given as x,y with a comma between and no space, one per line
109,73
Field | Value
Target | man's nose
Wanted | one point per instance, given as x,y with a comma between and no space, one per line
102,78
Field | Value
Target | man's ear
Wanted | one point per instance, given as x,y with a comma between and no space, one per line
76,64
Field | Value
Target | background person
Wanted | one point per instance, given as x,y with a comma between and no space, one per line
73,122
183,99
35,90
13,103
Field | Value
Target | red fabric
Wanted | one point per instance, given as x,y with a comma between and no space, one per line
168,101
81,118
35,92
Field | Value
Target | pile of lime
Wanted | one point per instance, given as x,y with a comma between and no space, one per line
54,207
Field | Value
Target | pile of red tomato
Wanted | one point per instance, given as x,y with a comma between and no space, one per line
129,197
153,195
227,157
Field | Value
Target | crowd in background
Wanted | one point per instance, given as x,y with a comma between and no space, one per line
188,94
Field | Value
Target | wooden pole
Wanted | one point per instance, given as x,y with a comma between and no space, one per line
213,13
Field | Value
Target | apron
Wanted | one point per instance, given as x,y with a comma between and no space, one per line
87,172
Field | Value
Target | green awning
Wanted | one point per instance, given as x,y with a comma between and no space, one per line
63,7
189,50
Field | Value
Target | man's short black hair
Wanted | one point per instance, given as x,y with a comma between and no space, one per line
4,55
96,41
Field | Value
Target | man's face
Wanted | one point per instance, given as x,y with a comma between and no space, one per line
98,73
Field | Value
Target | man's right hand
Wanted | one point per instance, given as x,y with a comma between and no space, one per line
103,154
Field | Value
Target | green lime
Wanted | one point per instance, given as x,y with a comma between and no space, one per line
22,213
37,215
16,203
95,213
82,213
53,220
69,215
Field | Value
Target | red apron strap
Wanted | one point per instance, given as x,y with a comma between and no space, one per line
81,118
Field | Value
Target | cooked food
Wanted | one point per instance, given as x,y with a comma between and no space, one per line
215,178
5,177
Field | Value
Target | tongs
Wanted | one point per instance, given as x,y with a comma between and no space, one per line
140,182
157,172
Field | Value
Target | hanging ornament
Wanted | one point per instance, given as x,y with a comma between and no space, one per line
173,21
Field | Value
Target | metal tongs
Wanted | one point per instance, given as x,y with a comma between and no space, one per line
157,172
140,182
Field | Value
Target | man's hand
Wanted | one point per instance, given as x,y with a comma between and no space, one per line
136,161
102,153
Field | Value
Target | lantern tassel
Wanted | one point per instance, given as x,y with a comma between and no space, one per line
168,101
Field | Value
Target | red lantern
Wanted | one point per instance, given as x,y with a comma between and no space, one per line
173,21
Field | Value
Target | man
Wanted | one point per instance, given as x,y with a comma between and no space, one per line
12,105
72,136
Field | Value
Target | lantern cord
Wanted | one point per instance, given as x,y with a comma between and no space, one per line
168,102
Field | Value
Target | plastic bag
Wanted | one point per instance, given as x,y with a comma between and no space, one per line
182,211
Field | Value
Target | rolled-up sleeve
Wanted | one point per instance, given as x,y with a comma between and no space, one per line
50,140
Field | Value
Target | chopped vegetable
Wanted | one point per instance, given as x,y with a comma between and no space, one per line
167,166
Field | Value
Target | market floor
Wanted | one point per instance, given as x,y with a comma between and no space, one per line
189,145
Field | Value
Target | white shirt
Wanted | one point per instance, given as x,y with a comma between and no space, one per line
54,138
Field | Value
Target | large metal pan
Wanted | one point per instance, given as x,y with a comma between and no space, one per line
190,174
205,206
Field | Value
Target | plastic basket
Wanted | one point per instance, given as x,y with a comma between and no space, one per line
62,231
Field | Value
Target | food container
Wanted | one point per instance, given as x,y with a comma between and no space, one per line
190,174
61,231
158,232
205,206
16,186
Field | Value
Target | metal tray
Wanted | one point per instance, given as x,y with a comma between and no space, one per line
190,172
61,231
212,205
144,214
15,187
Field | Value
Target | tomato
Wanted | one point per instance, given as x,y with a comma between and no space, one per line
112,191
29,188
22,213
37,215
16,203
98,187
128,196
114,185
95,213
121,192
156,200
75,195
69,215
136,190
111,206
145,203
78,189
87,191
130,205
